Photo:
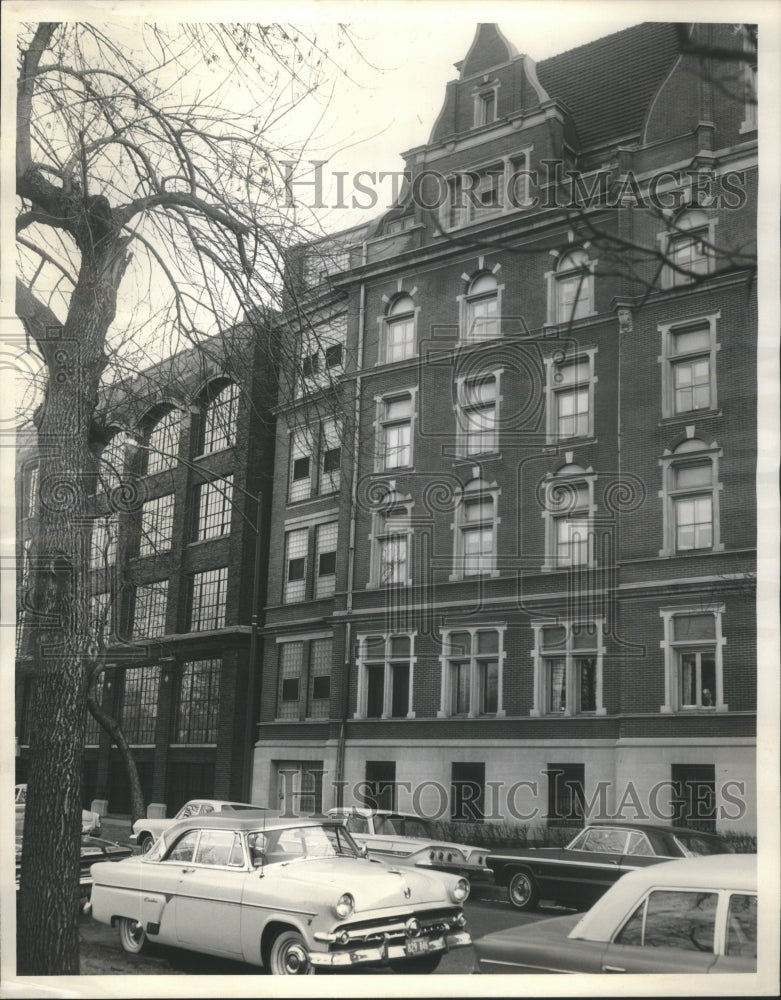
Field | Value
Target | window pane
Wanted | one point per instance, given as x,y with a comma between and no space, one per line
149,615
699,474
397,445
400,645
297,543
209,597
479,510
399,689
215,508
325,543
490,686
400,339
684,920
557,685
331,457
692,627
459,643
742,926
220,420
482,318
291,657
573,412
487,642
694,525
685,341
157,519
199,695
163,443
587,669
139,704
375,691
320,655
572,372
708,680
460,688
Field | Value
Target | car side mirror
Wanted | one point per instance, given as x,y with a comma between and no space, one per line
364,850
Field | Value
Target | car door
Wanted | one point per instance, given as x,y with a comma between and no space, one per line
581,876
672,930
208,894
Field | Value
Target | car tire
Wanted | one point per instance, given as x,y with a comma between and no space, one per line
522,890
418,966
145,842
132,936
289,956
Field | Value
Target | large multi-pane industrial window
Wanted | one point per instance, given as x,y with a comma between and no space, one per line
219,426
93,728
326,536
103,541
471,682
112,461
139,704
150,609
163,443
100,606
157,521
296,548
215,507
208,599
199,701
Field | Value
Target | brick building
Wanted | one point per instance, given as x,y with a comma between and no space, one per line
511,568
185,452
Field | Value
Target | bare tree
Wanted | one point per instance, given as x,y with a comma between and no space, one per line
143,188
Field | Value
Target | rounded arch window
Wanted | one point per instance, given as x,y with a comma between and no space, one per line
400,329
482,308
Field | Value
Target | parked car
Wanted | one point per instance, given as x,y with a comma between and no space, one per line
292,895
600,854
691,915
92,849
409,840
147,830
90,821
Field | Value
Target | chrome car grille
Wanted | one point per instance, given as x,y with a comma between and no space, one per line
431,923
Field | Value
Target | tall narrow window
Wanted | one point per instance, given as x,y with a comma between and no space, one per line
320,657
395,431
475,531
93,728
688,358
570,391
568,668
139,704
296,548
391,538
691,499
301,455
112,461
688,247
151,607
571,288
477,415
569,517
385,675
163,443
100,607
209,594
219,430
481,309
103,541
157,521
330,458
472,664
400,329
215,508
199,701
485,107
693,659
326,536
291,661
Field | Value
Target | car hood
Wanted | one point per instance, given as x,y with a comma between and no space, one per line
372,884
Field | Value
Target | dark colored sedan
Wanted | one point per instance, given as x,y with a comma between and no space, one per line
92,849
578,874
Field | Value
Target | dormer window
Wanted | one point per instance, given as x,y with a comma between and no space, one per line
485,107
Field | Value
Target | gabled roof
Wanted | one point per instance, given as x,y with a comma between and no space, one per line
608,84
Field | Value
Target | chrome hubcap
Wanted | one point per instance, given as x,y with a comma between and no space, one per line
296,960
521,889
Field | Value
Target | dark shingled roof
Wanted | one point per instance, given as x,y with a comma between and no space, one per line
608,84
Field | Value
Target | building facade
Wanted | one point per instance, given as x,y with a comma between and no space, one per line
513,538
177,557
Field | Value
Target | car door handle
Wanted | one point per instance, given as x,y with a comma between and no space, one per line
187,871
612,968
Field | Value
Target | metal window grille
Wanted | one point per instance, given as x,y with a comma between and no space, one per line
215,507
157,521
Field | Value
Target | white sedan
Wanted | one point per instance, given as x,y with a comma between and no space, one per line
90,821
290,895
147,830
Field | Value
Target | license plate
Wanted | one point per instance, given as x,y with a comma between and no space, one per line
416,946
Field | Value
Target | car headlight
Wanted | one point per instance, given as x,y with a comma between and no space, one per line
460,891
344,905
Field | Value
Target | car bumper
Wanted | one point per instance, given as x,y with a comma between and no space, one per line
386,952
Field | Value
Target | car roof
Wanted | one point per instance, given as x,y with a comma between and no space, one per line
222,802
244,823
653,827
365,811
711,872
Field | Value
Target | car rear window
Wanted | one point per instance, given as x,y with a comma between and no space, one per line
698,844
673,919
742,926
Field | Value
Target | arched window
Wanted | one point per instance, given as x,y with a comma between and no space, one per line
219,430
569,518
688,246
571,288
481,316
475,531
691,492
163,442
399,329
392,542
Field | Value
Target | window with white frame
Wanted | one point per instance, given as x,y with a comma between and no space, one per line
570,387
472,664
568,514
301,457
103,541
198,701
571,288
296,551
220,419
693,644
691,498
688,248
475,529
326,538
215,508
391,544
398,329
386,664
157,522
395,418
568,658
485,106
480,309
688,360
163,443
478,400
209,596
305,678
151,606
330,463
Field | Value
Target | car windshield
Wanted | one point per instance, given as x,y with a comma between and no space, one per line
297,843
403,826
695,844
